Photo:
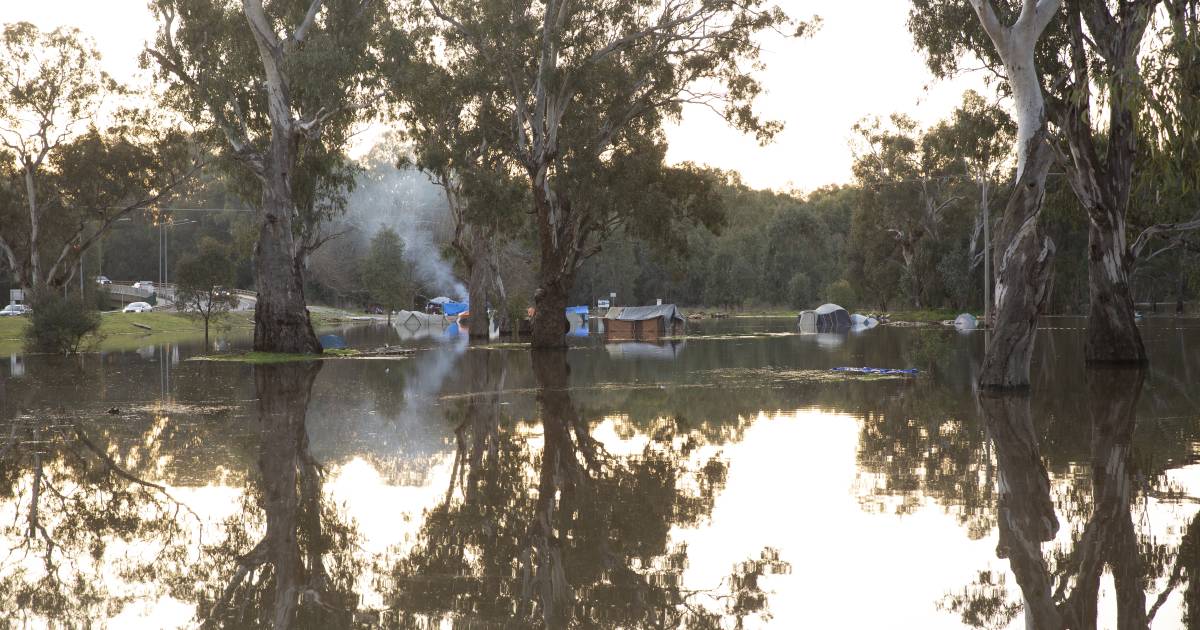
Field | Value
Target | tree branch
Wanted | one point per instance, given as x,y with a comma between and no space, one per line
309,18
1151,232
991,24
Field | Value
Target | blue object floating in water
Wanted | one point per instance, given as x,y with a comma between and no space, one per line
332,342
870,370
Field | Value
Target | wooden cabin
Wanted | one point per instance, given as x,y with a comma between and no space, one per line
643,322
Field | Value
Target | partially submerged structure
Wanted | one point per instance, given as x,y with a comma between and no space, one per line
825,318
643,322
446,306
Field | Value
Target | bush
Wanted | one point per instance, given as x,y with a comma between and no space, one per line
59,325
842,294
102,299
799,291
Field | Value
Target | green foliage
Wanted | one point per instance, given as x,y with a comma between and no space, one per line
958,282
953,40
841,293
60,325
206,56
769,238
202,283
573,97
800,291
385,274
62,172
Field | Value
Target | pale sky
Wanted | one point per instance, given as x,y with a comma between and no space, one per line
861,62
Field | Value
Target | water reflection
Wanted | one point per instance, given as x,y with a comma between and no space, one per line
1062,590
566,532
480,486
301,572
70,512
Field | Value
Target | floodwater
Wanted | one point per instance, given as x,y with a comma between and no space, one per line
725,480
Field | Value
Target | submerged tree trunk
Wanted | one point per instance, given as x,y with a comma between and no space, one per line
555,274
549,318
1112,332
478,287
1103,185
1024,257
281,322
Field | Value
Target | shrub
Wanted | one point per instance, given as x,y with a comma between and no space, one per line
842,294
799,291
60,325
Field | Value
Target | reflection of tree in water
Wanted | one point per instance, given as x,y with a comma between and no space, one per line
918,444
74,508
1061,590
301,571
571,535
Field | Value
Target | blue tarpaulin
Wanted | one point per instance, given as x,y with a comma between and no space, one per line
871,370
578,310
332,342
455,308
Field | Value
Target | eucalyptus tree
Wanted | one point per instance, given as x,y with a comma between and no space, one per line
980,135
450,113
274,81
385,274
68,175
910,181
1102,162
202,281
583,84
1011,43
1167,178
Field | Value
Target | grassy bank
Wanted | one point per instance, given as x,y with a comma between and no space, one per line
128,331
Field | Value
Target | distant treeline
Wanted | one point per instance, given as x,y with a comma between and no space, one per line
784,250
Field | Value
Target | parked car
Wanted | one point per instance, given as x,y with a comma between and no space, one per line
144,284
102,280
15,310
137,307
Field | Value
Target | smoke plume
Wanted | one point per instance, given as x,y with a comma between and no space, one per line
406,201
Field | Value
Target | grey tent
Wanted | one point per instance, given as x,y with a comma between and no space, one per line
966,321
826,318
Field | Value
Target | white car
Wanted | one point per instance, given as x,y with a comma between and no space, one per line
144,284
137,307
14,310
103,280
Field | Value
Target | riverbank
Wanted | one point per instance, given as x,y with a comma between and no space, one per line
127,331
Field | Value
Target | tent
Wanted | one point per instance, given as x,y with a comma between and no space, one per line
966,321
826,318
638,322
454,308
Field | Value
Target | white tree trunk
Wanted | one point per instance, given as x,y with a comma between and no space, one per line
35,264
1024,254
